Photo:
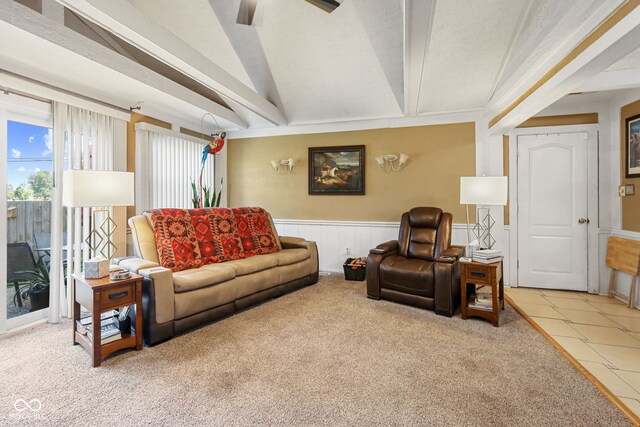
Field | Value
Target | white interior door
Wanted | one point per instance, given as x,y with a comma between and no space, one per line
552,210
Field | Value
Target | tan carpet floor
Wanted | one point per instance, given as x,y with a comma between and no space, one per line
325,355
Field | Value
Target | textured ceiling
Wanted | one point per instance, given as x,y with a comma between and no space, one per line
631,61
468,44
351,64
544,27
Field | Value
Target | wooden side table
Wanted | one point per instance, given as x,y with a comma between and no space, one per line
99,295
474,274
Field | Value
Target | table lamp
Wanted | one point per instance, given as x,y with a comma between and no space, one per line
483,191
91,188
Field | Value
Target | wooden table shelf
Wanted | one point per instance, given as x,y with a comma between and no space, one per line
474,274
98,296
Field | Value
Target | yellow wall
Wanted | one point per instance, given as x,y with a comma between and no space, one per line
440,154
630,204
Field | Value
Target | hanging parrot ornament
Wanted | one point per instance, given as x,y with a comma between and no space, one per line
213,147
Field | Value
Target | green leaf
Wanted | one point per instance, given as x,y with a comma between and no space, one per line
217,204
205,190
194,196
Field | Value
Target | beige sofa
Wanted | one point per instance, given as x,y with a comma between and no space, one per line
174,302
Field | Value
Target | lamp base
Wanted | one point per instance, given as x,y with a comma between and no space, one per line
482,229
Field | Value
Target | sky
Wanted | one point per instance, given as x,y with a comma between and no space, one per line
28,151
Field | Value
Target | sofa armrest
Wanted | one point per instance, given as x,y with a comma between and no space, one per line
289,242
135,264
160,279
451,255
386,248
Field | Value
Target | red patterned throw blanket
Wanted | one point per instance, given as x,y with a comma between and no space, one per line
191,238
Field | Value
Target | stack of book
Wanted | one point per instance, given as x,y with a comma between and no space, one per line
481,301
109,331
487,256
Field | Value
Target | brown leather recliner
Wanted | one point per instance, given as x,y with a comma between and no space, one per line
421,268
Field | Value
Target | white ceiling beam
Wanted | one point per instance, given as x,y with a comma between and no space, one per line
123,19
16,17
526,75
620,40
612,80
418,23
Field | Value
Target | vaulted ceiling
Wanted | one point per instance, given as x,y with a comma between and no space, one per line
268,63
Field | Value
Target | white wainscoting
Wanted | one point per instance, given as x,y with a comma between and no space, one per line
623,281
333,237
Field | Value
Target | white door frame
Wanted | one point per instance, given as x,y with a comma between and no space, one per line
25,110
592,197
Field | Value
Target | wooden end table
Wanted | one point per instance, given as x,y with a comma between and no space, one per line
474,274
100,295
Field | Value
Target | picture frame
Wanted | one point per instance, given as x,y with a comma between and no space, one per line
632,144
338,170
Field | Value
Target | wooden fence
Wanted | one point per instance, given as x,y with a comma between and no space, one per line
28,219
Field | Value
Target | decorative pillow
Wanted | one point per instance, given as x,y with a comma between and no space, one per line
253,228
176,240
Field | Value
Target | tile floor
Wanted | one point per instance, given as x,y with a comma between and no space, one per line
602,333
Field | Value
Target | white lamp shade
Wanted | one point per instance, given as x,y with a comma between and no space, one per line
483,190
274,164
403,158
291,163
87,188
380,161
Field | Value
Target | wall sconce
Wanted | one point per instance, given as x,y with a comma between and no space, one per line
287,165
386,162
627,190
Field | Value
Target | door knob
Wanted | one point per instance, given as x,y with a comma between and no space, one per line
583,221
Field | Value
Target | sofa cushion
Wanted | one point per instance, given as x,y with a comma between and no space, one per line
409,275
175,239
292,256
208,275
254,264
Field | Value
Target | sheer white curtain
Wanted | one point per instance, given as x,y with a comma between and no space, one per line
83,140
166,164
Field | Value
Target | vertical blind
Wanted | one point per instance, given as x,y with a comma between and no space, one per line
92,141
166,165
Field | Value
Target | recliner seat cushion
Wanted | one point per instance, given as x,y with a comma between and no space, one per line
254,264
408,275
197,278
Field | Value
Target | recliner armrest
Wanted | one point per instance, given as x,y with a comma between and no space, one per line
452,254
386,248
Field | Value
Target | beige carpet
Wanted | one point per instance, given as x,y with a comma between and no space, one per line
325,355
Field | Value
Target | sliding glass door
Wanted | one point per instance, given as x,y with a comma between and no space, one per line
25,201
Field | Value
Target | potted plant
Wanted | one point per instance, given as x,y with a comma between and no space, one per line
38,288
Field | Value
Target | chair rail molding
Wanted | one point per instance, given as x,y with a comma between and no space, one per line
334,237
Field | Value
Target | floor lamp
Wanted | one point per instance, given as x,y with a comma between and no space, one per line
483,191
89,188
